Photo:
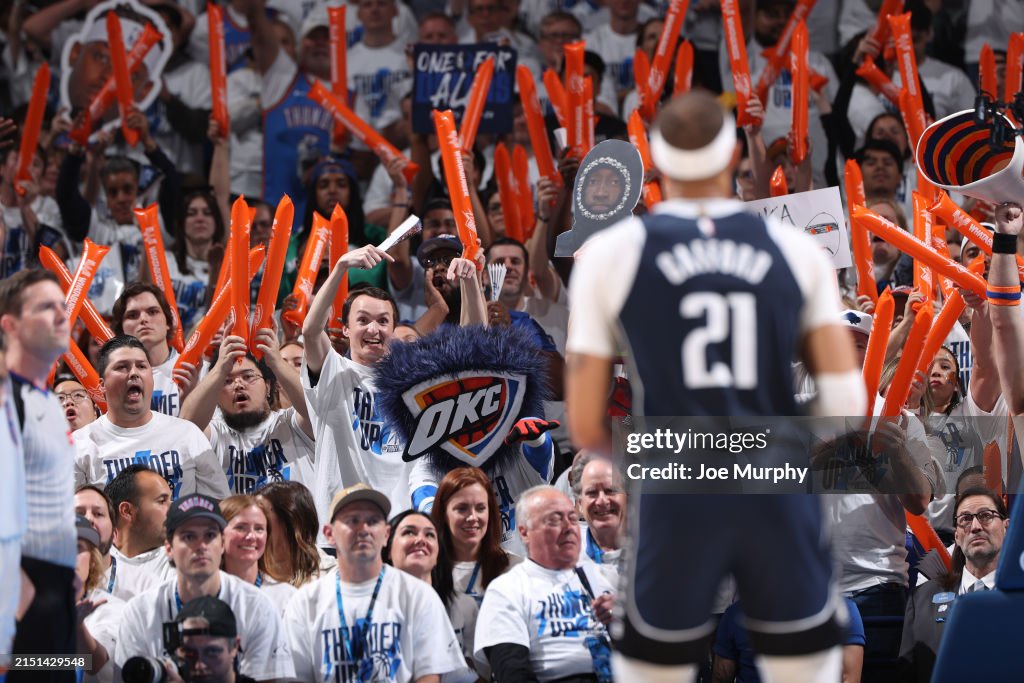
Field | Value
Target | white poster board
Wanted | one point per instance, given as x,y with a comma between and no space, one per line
819,213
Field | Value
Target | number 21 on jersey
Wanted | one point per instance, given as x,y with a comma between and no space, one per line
728,318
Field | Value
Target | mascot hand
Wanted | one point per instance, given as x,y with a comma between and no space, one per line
530,429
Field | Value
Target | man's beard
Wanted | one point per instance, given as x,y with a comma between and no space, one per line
246,419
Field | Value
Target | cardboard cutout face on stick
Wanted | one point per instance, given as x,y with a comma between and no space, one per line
607,188
86,62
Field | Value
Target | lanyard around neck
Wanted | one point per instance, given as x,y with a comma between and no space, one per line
347,639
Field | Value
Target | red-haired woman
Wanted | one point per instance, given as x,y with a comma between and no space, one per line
469,528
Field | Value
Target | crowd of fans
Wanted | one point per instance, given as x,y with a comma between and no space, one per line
260,502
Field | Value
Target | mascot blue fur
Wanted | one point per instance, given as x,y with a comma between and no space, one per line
470,385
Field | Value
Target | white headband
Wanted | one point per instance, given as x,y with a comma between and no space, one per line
695,164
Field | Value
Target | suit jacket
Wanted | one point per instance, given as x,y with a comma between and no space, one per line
922,633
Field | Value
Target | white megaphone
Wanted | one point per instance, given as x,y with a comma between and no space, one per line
955,154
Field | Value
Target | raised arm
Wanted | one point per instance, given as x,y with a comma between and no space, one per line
1007,323
548,283
264,43
201,403
400,270
287,378
317,343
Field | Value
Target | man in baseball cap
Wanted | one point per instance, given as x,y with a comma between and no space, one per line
195,546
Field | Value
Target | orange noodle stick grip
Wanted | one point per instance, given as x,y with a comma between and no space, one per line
476,104
338,248
940,246
207,328
992,464
911,103
557,97
941,328
153,243
455,177
33,124
665,49
917,249
776,55
339,61
870,72
899,388
524,197
277,252
1014,66
737,46
575,95
80,283
778,188
684,68
926,536
102,100
506,190
240,293
862,258
122,77
360,129
646,101
85,373
874,357
218,68
638,137
535,125
94,322
800,93
987,73
880,31
588,115
965,224
303,290
923,231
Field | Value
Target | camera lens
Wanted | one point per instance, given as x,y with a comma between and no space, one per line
143,670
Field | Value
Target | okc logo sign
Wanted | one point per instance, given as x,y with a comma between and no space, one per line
467,415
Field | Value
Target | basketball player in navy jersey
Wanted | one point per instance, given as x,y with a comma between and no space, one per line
713,336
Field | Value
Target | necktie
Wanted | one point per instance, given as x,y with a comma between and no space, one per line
978,585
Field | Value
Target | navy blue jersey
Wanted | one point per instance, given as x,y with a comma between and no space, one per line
712,322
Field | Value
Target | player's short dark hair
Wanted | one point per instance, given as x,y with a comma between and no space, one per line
373,293
121,341
119,165
130,292
12,289
124,489
691,121
515,243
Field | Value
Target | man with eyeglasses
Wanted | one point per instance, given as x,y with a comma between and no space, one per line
545,618
131,432
981,524
255,444
76,402
406,275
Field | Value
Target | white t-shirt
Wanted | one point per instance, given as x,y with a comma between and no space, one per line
264,653
279,593
12,515
992,22
950,88
134,575
189,290
545,610
353,443
244,87
103,624
121,264
166,393
617,51
274,450
469,594
379,76
409,635
172,447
